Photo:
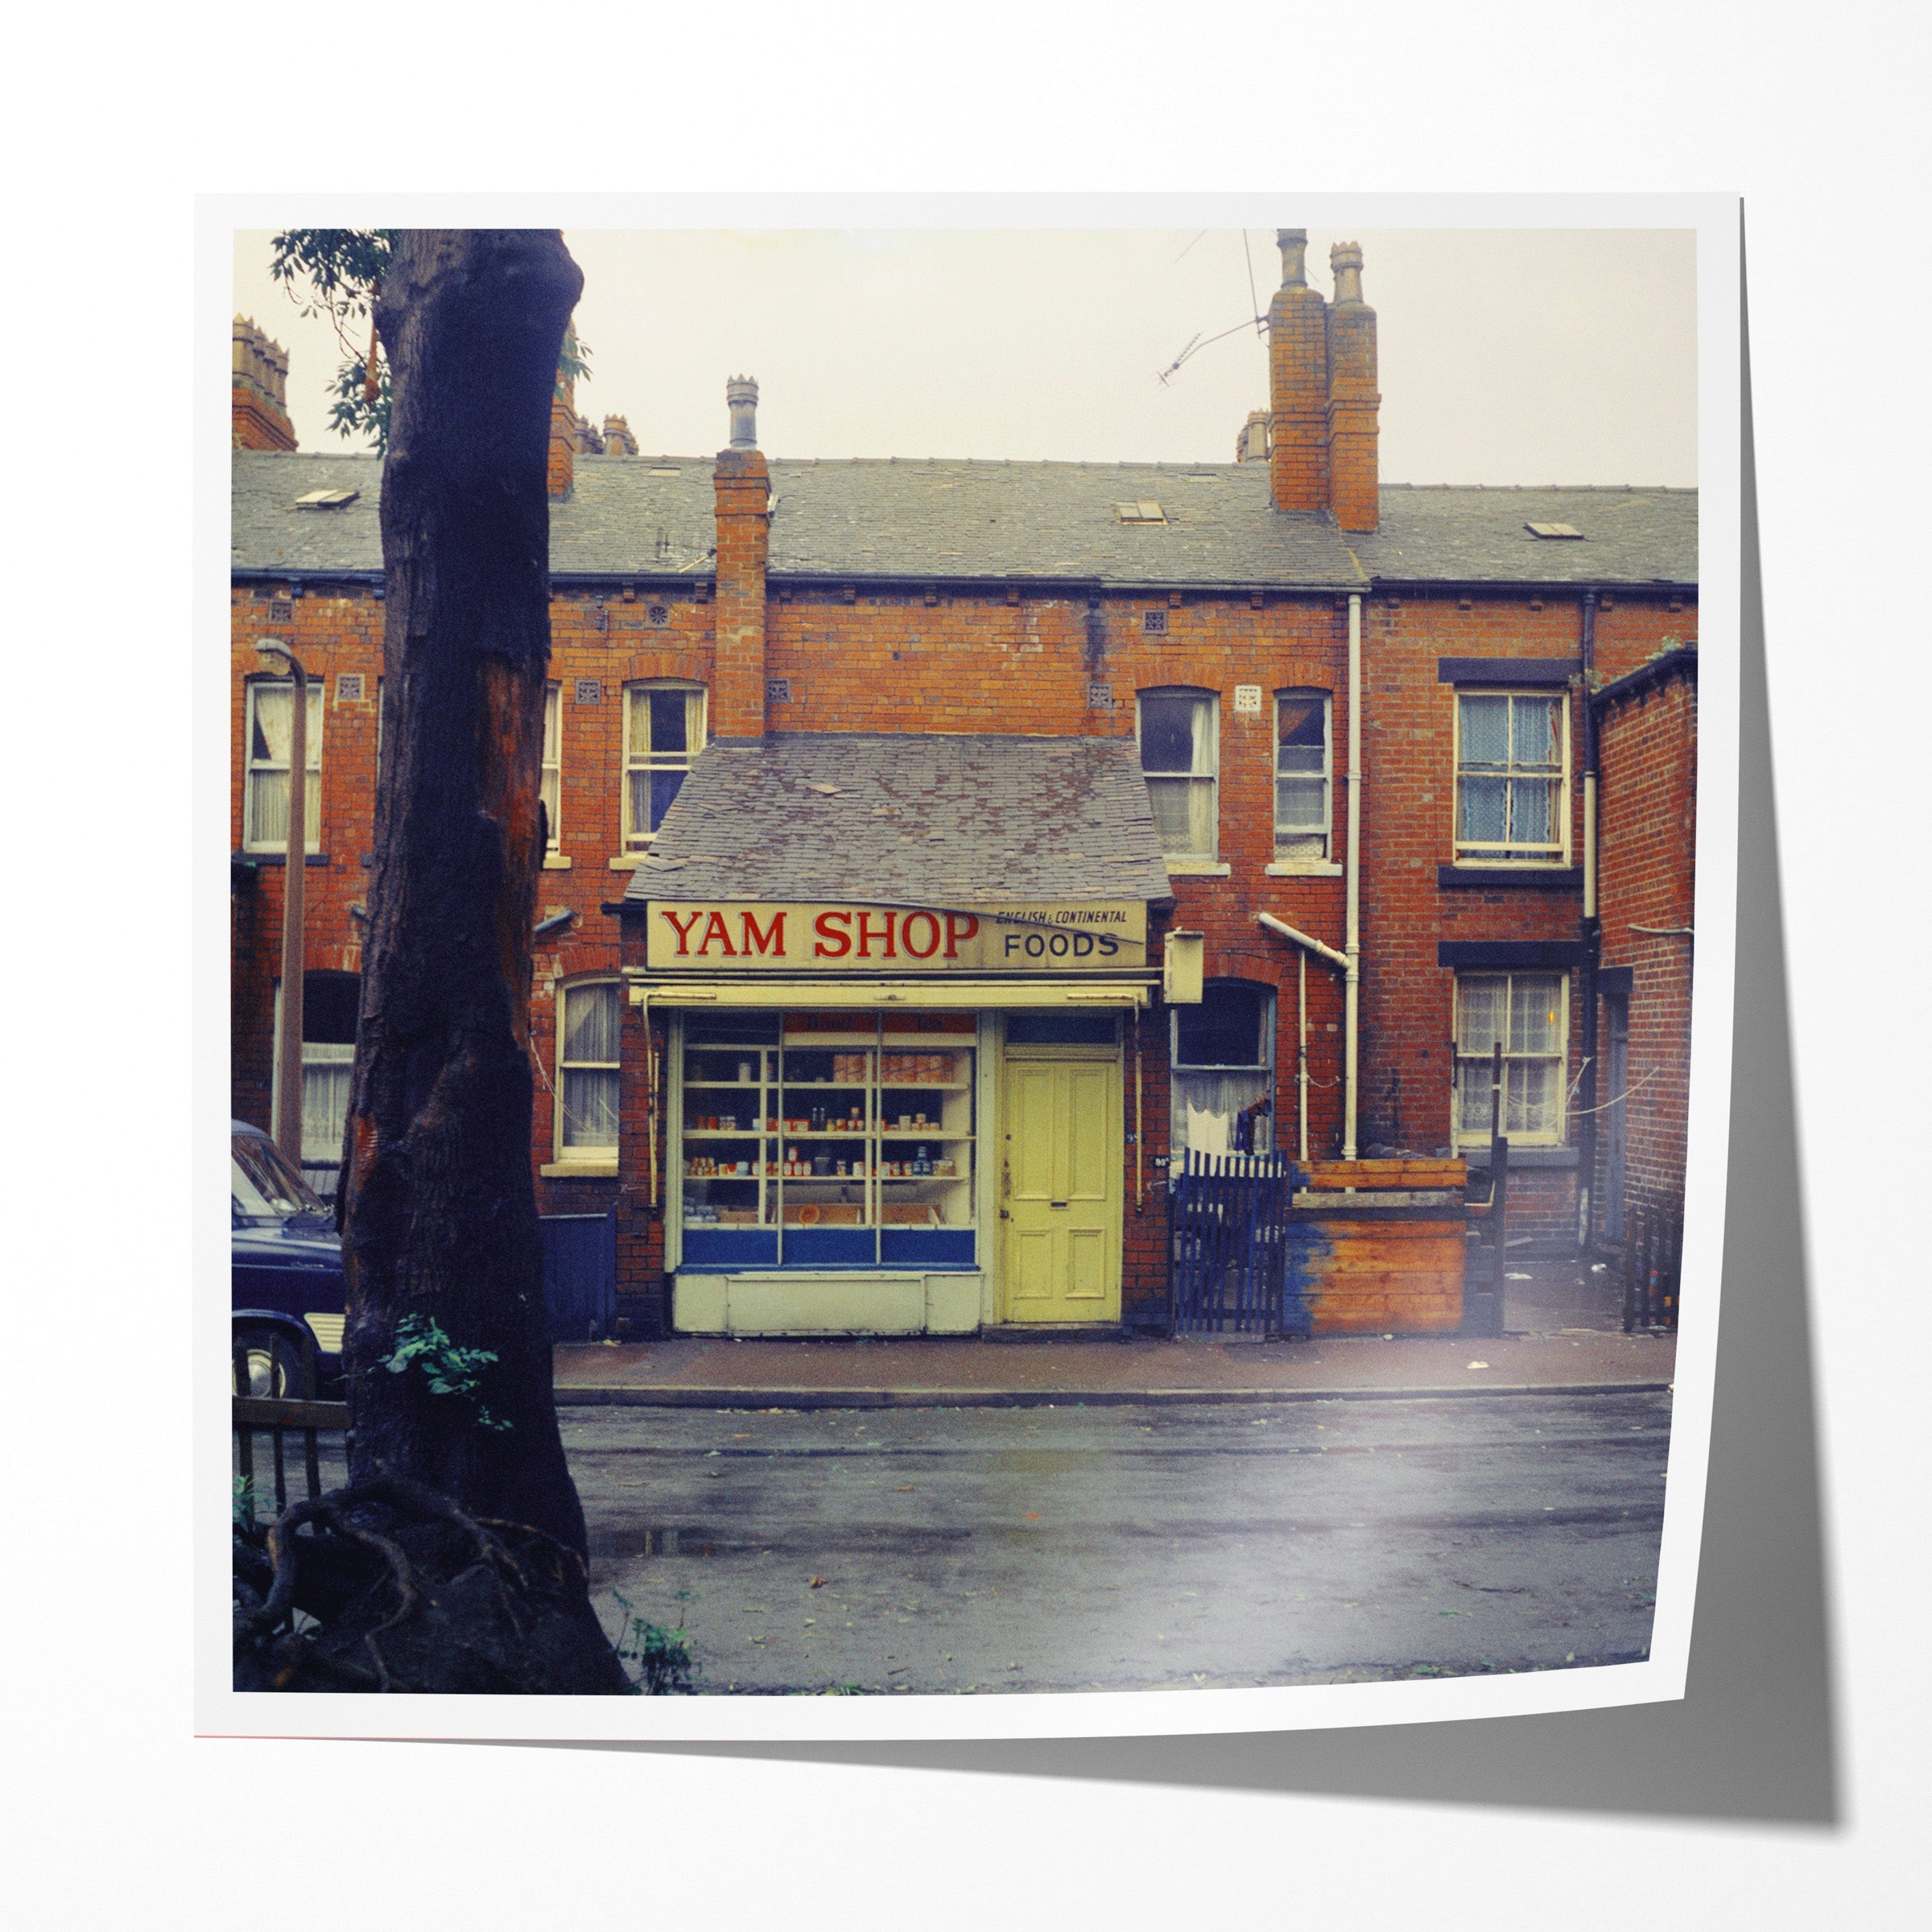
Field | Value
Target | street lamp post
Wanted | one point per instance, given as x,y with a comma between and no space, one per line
288,1027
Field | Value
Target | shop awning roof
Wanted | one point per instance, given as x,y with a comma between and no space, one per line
909,818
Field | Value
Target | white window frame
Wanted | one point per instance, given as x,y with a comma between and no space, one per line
641,840
1326,833
311,830
568,1155
1206,774
1552,1134
550,779
1490,852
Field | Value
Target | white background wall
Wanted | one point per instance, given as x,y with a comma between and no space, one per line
117,1817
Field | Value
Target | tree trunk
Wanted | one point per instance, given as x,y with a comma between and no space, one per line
439,1216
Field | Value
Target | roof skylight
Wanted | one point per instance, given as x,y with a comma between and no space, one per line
1553,530
327,499
1146,510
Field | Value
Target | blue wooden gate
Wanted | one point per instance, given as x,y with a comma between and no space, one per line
580,1276
1231,1261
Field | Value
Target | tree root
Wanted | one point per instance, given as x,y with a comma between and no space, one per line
459,1604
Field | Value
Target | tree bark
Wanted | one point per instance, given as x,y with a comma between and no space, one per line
440,1214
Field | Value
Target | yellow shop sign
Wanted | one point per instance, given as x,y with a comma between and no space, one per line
760,935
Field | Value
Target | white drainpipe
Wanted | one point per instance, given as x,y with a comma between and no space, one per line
1352,993
1307,944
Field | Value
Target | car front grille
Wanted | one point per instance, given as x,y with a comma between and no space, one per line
326,1329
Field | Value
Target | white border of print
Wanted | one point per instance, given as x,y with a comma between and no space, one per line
219,1710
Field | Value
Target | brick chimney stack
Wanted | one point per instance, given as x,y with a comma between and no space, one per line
561,474
259,390
1354,400
743,488
1297,382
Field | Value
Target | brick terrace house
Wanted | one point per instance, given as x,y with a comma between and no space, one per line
877,790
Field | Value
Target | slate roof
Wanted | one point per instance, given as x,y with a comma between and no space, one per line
1441,534
910,818
921,522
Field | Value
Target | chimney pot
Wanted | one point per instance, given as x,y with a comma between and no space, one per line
742,398
1345,259
1293,242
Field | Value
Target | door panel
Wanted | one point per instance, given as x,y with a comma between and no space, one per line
1061,1189
1087,1264
1031,1269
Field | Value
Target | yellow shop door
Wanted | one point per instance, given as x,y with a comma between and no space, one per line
1060,1184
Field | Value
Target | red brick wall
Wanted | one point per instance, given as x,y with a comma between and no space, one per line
895,661
1647,807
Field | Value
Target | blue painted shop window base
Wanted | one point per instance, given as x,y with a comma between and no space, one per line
729,1250
925,1247
828,1247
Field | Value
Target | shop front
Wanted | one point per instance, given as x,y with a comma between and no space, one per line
894,986
891,1119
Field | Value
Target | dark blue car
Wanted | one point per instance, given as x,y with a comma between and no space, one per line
287,1269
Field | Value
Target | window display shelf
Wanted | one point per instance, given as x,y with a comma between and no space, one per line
743,1203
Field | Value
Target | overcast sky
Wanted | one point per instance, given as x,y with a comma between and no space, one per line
1508,356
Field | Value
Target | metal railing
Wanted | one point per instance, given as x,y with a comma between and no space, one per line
1654,1255
278,1418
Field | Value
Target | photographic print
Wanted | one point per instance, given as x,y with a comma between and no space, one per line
979,997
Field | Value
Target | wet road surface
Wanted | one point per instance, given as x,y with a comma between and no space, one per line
984,1550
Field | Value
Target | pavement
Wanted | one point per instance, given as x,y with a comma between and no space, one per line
1564,1334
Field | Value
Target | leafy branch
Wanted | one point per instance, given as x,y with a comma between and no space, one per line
337,272
451,1371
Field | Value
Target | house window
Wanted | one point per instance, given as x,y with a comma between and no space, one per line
1527,1012
329,1004
588,1071
1180,755
270,716
1512,772
663,731
1222,1079
1303,769
550,785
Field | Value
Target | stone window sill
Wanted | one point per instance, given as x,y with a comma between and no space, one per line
578,1170
1196,869
1305,869
628,861
555,861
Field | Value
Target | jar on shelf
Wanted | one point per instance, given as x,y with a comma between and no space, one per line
922,1161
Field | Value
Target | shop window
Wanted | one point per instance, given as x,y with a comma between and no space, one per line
1222,1070
1529,1013
1303,769
663,731
265,808
1512,769
1179,739
550,785
827,1140
588,1070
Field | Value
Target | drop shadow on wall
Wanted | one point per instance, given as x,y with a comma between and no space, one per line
1756,1736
